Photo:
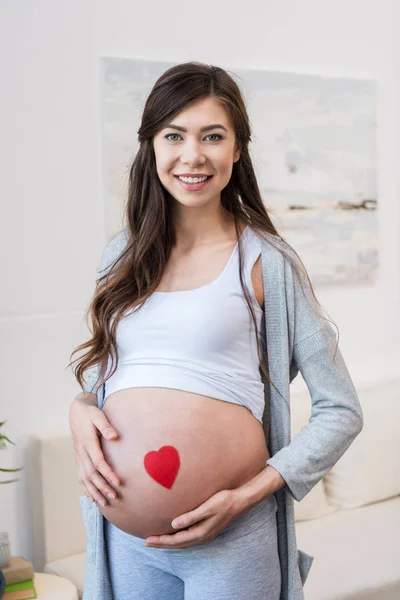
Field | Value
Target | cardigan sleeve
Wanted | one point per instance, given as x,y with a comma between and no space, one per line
336,415
110,254
335,421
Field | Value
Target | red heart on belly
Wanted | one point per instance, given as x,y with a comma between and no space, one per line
163,466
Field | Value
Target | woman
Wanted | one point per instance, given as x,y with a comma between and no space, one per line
200,301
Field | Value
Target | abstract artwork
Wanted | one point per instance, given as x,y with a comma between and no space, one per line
313,150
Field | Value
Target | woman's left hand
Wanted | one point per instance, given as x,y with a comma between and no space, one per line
204,523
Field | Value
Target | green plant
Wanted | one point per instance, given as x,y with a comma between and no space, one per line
3,445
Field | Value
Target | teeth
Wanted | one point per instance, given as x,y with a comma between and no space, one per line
192,179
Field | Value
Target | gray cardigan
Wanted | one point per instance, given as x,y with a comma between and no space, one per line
298,339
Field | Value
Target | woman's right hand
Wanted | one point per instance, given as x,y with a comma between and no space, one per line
87,423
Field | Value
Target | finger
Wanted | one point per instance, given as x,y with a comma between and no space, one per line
94,492
180,522
88,495
175,540
100,421
96,455
188,519
90,474
175,545
102,485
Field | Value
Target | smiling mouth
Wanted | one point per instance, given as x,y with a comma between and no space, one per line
195,186
193,176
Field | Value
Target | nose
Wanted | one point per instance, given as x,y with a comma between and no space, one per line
192,154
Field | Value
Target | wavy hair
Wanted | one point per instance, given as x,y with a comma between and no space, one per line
137,271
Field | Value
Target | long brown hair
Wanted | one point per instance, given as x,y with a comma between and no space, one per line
137,271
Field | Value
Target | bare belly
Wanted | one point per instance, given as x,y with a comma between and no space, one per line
220,446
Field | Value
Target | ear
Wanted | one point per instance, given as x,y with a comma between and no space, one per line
236,155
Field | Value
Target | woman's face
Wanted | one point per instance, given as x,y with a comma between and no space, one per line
183,148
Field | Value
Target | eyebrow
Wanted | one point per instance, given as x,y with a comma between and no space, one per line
205,128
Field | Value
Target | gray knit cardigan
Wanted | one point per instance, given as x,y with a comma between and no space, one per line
297,339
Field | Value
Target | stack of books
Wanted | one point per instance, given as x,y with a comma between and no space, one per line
19,575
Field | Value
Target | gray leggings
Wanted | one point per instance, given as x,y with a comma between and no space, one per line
241,563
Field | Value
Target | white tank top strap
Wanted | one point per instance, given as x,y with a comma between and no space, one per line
251,248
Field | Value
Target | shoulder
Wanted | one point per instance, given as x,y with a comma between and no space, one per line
269,242
279,256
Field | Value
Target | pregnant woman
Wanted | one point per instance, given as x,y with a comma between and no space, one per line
175,454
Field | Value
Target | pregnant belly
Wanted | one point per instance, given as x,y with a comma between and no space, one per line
216,445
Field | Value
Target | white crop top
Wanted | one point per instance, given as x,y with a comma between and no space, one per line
200,340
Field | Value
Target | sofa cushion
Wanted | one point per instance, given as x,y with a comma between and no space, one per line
72,568
314,505
369,470
356,553
61,514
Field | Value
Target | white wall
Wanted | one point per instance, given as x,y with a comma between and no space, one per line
52,207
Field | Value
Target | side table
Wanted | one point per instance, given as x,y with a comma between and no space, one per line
53,587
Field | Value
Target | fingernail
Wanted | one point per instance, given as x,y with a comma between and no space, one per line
102,502
111,496
110,434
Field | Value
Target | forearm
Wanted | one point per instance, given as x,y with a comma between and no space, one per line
265,483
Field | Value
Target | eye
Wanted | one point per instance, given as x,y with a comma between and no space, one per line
169,134
217,135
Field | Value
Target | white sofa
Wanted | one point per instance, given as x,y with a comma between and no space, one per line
350,521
